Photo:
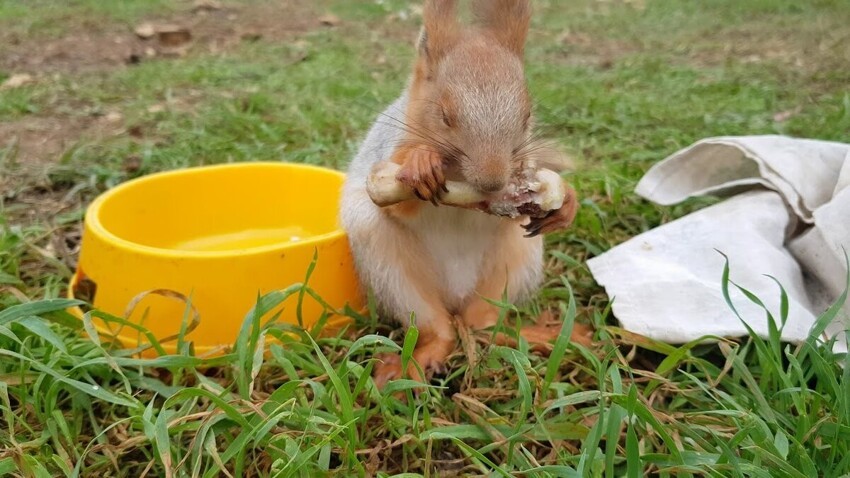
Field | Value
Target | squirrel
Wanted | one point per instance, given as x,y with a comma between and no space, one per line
466,114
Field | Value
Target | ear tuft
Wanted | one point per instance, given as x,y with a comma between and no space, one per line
507,20
440,30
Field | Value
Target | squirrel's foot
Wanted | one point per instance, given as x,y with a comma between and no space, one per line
389,368
542,335
556,220
548,327
422,171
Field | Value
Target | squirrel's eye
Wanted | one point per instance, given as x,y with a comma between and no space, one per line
446,120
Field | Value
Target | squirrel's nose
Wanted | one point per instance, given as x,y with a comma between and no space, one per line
491,186
489,174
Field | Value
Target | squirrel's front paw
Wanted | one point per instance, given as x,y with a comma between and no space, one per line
556,220
422,171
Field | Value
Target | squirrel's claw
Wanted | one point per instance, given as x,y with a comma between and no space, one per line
439,176
425,194
422,171
556,220
532,229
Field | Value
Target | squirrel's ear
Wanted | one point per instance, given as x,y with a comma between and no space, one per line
440,30
506,20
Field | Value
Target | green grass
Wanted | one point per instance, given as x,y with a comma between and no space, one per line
50,19
619,84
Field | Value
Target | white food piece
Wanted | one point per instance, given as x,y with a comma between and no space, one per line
533,192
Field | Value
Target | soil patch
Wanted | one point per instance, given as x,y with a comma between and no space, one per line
34,142
92,46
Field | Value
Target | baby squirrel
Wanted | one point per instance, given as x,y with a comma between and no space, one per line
465,115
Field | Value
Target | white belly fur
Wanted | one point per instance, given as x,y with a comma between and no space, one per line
458,242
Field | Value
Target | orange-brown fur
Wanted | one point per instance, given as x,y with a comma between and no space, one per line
467,116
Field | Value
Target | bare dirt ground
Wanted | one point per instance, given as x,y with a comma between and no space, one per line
96,48
35,143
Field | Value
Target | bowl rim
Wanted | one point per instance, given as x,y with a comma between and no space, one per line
94,224
334,323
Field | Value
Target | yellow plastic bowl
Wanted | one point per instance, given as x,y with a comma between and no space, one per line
220,235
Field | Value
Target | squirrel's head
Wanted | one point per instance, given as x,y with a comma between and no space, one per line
468,97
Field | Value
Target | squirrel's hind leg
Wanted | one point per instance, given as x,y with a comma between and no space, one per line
516,266
437,339
393,265
516,263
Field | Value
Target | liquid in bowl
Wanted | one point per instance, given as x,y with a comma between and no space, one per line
245,239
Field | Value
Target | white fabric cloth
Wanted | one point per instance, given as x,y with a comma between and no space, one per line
788,218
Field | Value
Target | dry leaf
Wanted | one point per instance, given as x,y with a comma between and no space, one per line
784,116
135,131
173,36
330,20
16,81
132,163
113,117
145,31
251,36
206,5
